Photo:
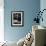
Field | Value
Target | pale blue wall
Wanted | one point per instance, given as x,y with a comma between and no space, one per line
29,7
43,6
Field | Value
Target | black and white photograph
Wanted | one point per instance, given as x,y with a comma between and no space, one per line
17,18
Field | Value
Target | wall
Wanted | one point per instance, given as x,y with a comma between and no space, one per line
42,6
30,7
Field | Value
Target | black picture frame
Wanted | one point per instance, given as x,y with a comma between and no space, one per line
17,18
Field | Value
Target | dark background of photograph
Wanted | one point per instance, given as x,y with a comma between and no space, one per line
17,16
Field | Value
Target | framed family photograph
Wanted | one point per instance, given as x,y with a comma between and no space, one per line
17,18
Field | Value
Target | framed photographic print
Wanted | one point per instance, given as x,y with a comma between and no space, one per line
17,18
